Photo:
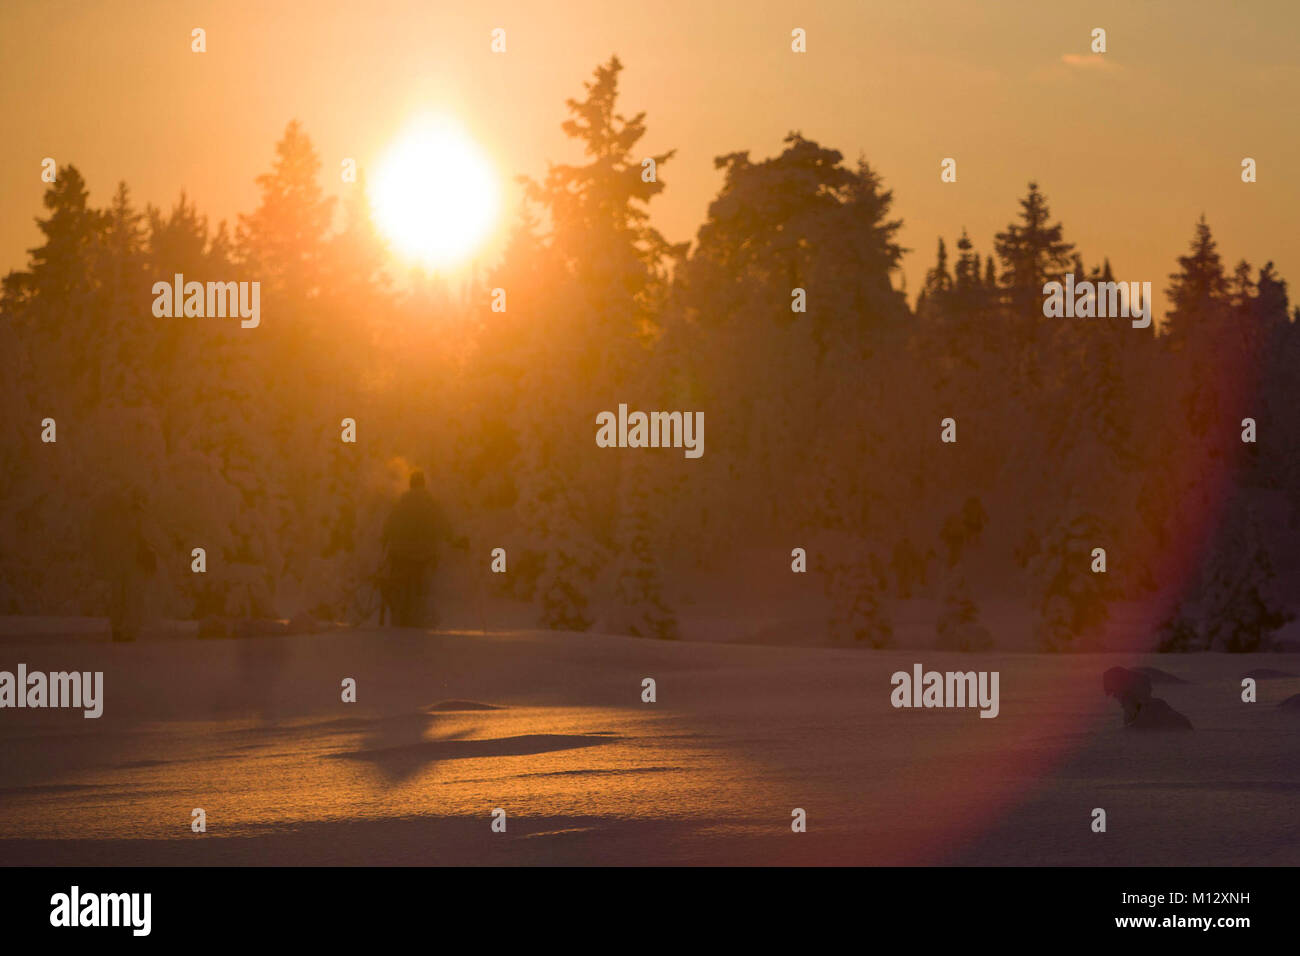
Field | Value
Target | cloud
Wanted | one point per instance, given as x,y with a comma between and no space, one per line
1092,61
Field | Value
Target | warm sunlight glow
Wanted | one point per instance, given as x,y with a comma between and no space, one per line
435,194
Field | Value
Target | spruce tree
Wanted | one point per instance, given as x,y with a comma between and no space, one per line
640,608
857,611
1032,253
933,300
1199,290
1240,607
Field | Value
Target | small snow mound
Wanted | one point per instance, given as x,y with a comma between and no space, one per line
1266,673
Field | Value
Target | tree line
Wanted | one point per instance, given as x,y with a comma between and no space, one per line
823,423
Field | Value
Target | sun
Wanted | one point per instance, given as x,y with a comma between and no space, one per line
435,194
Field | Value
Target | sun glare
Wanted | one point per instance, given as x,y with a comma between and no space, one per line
435,195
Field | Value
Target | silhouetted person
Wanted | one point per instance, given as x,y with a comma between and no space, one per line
1141,711
410,541
126,562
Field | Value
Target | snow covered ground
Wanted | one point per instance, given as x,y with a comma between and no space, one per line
551,728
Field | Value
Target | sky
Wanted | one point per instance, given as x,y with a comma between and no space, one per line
1130,146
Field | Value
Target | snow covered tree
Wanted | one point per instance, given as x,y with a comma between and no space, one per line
284,240
1178,633
857,613
1240,608
564,585
958,627
640,608
1073,597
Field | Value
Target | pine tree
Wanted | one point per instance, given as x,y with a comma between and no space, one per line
1199,290
1073,598
284,239
1032,253
60,270
1240,607
1270,305
938,285
968,291
599,220
857,612
798,220
640,606
565,581
123,246
594,288
1241,292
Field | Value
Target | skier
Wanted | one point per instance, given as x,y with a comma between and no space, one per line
410,539
127,563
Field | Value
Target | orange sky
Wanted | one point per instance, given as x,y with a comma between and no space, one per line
1130,147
